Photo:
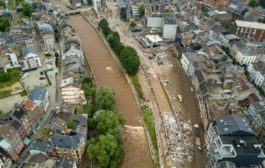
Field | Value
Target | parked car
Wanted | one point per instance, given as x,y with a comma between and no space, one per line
24,76
42,78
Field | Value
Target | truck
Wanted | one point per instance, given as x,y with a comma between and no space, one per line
180,98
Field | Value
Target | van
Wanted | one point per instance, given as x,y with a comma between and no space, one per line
24,76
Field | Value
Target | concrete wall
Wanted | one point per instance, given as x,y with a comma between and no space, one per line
154,22
169,31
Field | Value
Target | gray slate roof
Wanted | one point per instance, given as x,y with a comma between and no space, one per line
66,141
27,50
233,125
64,162
41,145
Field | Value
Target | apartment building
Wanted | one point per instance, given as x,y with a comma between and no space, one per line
231,139
257,72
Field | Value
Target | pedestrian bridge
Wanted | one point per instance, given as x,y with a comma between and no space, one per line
76,11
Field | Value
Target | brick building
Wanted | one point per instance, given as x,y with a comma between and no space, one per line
251,31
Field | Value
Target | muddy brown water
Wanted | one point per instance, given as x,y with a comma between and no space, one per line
107,72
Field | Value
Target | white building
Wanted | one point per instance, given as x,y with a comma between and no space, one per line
151,41
187,62
154,21
5,162
257,72
30,59
71,92
135,11
13,61
169,28
244,54
49,42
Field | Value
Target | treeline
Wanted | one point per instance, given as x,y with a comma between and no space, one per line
127,55
105,148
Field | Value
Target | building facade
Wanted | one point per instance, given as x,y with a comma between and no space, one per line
257,72
252,31
230,138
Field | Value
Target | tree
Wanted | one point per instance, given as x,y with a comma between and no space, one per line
253,3
88,109
109,122
71,124
105,99
106,151
132,24
4,76
129,60
141,11
4,23
113,39
89,2
27,10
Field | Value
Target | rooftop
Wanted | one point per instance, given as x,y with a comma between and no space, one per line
154,38
260,66
170,20
66,141
253,25
63,162
233,125
27,50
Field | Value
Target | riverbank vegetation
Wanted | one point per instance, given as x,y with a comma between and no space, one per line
127,55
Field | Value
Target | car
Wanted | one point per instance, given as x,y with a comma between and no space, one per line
42,78
192,89
41,73
24,76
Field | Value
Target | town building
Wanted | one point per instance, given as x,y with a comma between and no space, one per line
169,28
13,61
230,138
242,88
5,162
72,146
46,34
252,31
257,72
257,112
151,41
39,95
30,59
244,54
154,21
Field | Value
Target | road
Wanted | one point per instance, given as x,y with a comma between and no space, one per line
108,72
179,83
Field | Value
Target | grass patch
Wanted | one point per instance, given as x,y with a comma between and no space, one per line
5,93
137,87
71,124
9,78
24,93
47,77
148,118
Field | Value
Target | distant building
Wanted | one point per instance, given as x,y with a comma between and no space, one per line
242,88
169,28
257,72
230,138
135,11
252,31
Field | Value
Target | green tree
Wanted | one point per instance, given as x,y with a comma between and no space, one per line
253,3
71,124
105,99
113,39
4,23
141,11
109,122
106,151
89,2
130,60
132,24
88,109
4,76
27,10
